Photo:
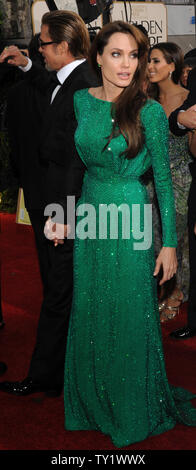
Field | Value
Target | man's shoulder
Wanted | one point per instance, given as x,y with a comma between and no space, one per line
84,75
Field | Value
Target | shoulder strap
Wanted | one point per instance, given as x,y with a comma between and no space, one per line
51,5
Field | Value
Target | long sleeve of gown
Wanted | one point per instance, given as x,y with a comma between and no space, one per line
156,135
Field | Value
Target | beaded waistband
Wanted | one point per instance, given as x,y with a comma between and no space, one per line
112,178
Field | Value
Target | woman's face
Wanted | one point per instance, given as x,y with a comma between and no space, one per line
158,68
184,75
119,60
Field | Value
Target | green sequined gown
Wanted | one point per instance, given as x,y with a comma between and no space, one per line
115,379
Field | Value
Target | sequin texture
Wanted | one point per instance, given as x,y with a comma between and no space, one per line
115,378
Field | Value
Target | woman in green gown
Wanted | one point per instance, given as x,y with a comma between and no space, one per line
115,378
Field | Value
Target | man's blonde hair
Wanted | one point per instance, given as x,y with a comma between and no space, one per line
68,26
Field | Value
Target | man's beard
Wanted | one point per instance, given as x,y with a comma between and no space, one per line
48,68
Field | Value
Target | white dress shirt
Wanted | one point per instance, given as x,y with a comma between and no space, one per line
62,74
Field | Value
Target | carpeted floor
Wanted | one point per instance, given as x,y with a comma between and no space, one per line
37,422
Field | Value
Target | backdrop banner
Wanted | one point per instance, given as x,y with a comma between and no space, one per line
153,16
40,7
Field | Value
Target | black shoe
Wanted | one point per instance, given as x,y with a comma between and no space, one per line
183,333
27,387
3,368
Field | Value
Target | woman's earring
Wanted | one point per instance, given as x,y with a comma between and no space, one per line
99,65
170,75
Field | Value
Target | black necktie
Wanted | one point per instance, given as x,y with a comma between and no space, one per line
54,83
54,78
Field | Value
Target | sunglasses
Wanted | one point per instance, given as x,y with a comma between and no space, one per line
42,43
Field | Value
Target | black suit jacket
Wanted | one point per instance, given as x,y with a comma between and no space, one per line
44,153
25,115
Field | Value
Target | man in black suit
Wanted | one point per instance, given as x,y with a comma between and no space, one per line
50,169
180,121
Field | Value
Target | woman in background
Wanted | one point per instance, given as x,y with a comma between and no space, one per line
188,65
164,70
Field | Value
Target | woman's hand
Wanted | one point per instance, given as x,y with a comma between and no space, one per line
168,261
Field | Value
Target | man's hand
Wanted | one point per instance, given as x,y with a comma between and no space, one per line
188,117
55,232
14,56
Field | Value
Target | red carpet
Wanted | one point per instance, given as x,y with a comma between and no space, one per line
37,422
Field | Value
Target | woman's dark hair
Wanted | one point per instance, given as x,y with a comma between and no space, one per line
191,53
190,62
34,53
172,53
126,109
